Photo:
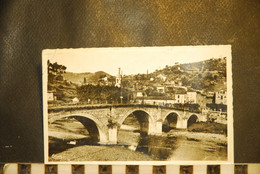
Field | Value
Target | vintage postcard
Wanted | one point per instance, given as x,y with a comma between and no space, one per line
154,105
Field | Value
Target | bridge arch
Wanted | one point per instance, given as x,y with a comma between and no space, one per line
170,120
193,118
102,129
151,118
171,112
145,119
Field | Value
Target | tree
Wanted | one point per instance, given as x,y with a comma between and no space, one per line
185,81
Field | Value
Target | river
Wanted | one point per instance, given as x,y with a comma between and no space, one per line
171,146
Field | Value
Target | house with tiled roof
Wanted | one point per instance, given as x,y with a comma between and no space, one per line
180,95
221,97
191,96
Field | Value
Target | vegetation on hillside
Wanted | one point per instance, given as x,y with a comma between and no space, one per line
103,94
209,75
63,90
88,78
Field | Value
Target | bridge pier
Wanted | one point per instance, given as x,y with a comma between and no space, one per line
203,118
112,135
158,125
155,128
103,138
182,123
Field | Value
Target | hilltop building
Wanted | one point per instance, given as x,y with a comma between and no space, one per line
162,77
160,89
75,100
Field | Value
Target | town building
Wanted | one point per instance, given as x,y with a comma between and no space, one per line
156,100
139,94
221,97
160,89
180,95
50,96
75,100
180,98
191,96
162,77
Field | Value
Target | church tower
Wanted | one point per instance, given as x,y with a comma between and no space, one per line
119,78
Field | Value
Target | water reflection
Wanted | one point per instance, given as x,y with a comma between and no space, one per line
159,148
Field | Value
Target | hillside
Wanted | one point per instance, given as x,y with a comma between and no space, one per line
78,78
64,91
208,75
214,64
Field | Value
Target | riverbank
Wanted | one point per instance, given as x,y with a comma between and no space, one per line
99,153
199,136
198,146
208,127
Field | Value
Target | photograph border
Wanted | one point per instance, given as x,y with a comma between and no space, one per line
230,127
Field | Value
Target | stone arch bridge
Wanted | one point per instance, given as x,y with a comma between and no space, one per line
109,118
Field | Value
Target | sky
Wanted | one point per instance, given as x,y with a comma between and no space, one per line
131,60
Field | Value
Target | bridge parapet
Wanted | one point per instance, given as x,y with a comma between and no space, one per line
86,106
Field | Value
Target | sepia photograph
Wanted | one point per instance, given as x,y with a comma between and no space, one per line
170,103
